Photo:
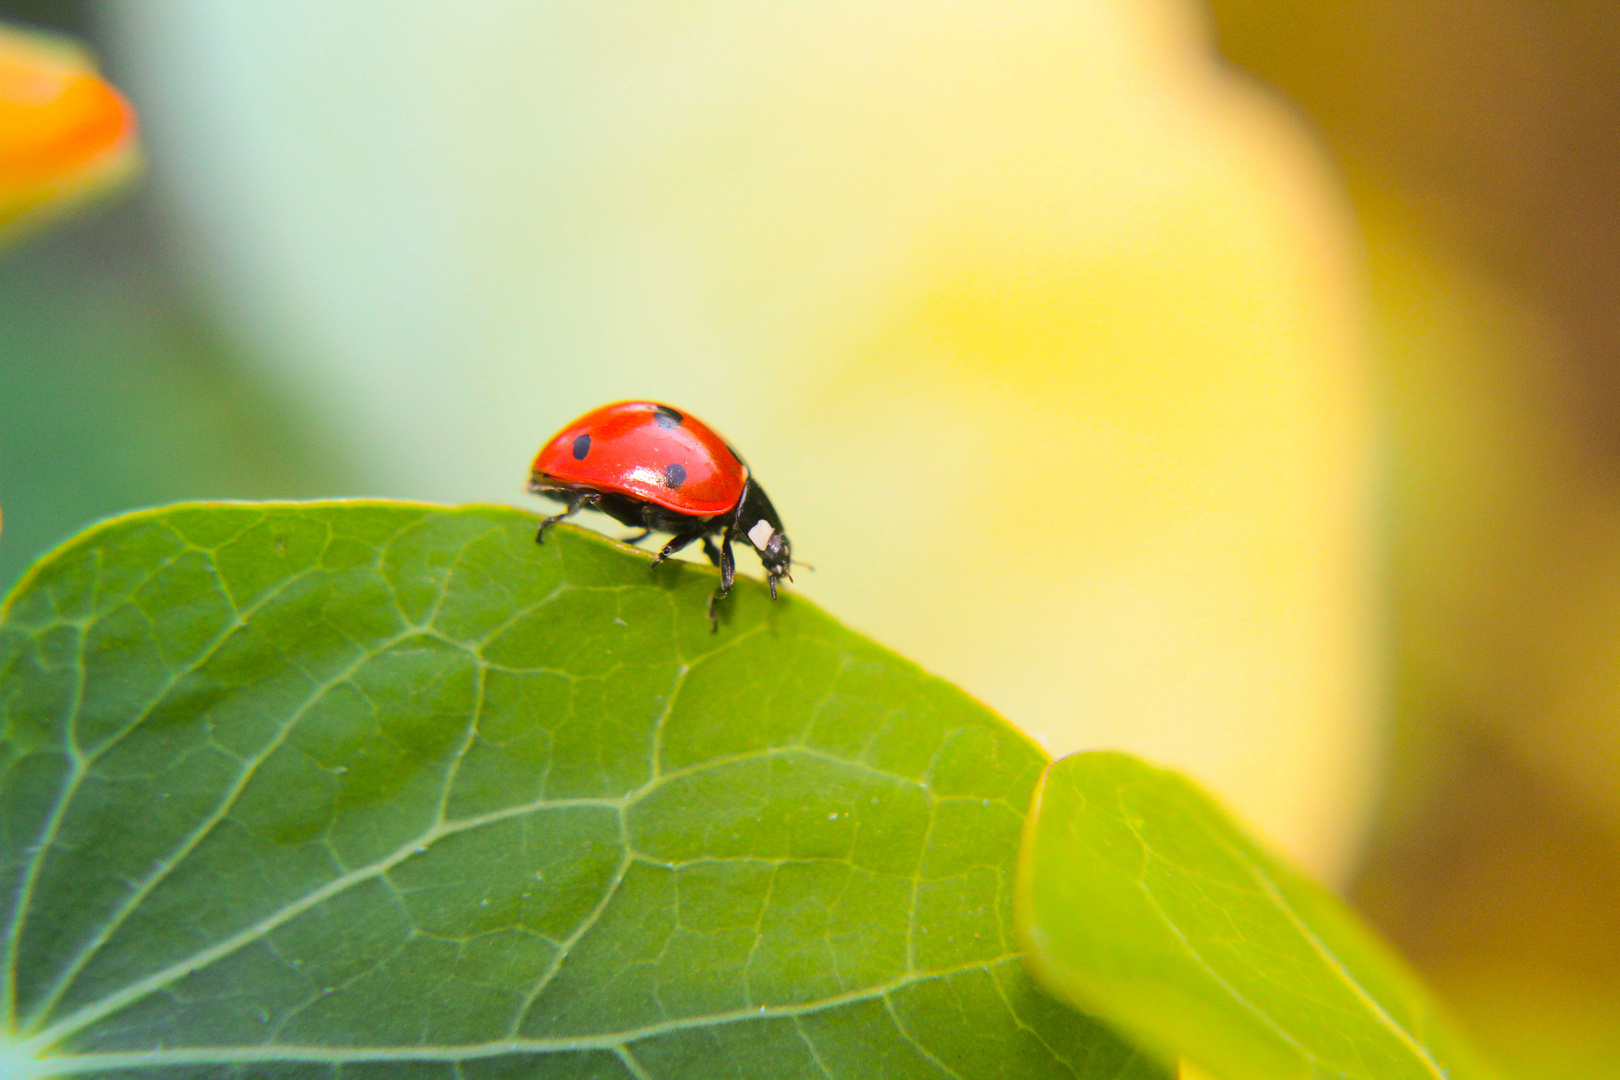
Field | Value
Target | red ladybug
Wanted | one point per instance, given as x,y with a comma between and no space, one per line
660,470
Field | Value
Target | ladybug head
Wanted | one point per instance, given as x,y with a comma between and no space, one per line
777,559
756,519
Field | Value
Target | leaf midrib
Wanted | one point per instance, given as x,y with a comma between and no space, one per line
78,1063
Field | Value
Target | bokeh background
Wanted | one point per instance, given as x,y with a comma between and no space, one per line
1236,384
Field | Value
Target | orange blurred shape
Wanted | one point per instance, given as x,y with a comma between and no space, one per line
64,132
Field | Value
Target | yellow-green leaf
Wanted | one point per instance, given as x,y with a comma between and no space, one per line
1140,899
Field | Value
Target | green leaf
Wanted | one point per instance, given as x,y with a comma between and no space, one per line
1141,900
381,790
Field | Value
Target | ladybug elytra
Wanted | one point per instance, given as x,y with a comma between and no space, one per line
660,470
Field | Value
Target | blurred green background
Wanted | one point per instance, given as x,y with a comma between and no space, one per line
1479,142
117,388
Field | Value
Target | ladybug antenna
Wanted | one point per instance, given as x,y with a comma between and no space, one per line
807,566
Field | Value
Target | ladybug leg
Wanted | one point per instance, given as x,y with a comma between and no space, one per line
728,565
728,574
575,505
711,551
675,544
638,538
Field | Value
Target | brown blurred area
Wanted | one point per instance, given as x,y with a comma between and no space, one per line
1480,140
1500,123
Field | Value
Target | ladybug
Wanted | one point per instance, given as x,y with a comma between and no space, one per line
660,470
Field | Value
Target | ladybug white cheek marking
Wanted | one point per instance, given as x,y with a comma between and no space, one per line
760,534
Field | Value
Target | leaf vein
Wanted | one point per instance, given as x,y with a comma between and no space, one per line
208,1055
160,980
1335,964
196,836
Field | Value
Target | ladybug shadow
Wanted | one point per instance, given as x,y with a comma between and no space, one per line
748,599
689,583
697,581
677,575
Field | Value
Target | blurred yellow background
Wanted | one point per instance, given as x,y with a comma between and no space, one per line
1230,385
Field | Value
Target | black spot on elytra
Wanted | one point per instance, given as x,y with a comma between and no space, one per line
667,417
674,474
582,446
